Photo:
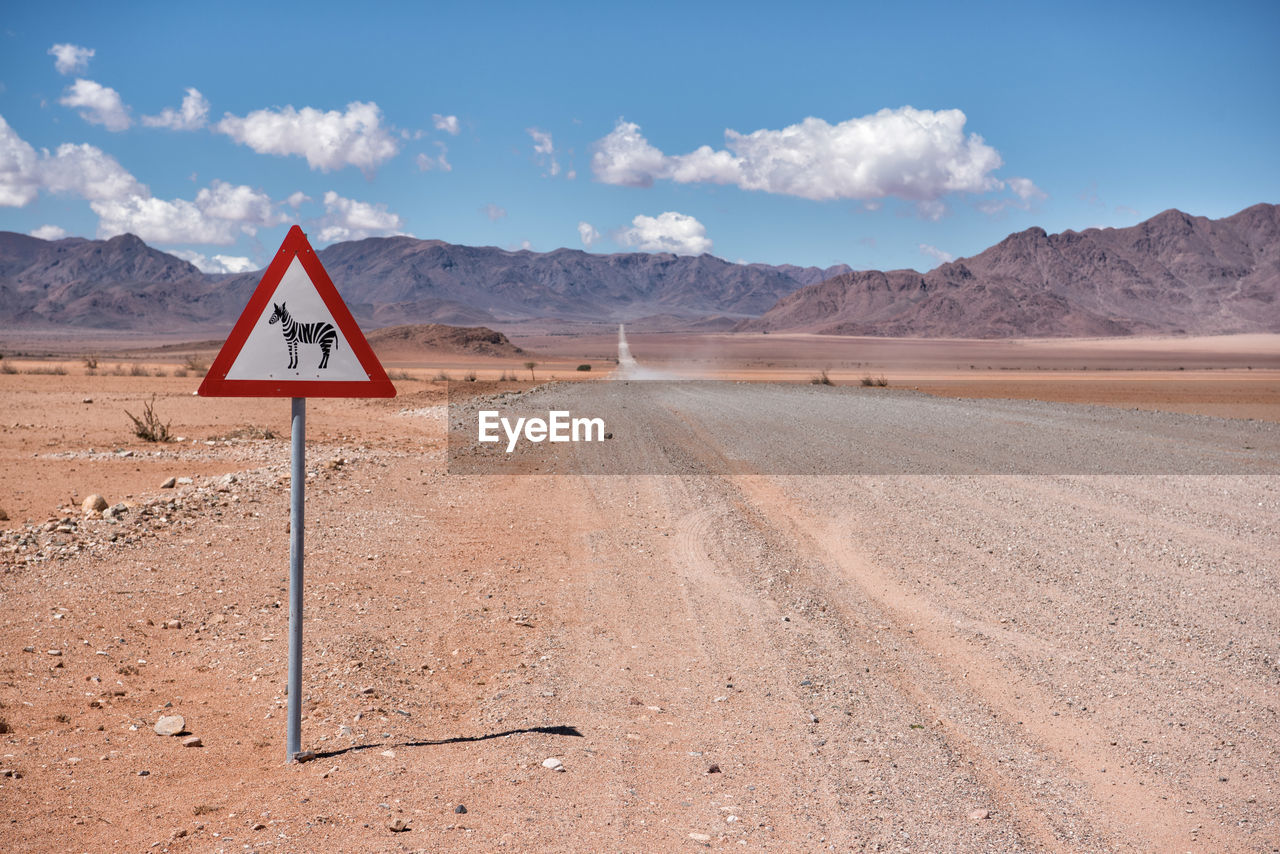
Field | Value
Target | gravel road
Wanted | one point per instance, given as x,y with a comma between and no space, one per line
956,637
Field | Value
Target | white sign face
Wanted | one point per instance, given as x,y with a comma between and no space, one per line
296,338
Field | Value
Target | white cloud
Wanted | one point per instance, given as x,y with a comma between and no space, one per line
19,182
297,199
919,155
1026,190
98,104
70,58
426,162
49,232
348,219
448,124
328,140
545,149
935,253
588,233
219,214
239,204
216,264
493,212
1028,195
193,114
88,172
667,232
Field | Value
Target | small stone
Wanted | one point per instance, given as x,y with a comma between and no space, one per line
87,400
186,481
55,652
170,725
714,769
304,756
699,837
144,773
4,517
346,731
979,815
192,741
390,754
329,773
172,624
398,826
259,826
179,833
552,763
460,809
94,504
170,483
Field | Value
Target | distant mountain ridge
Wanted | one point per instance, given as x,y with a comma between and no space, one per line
1172,274
123,283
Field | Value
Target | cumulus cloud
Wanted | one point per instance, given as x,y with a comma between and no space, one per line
328,140
545,149
493,212
588,233
88,172
297,199
49,232
70,58
667,232
216,263
448,124
936,254
427,162
98,104
918,155
347,219
219,214
19,182
193,114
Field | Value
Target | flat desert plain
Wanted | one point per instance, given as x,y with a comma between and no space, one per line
738,661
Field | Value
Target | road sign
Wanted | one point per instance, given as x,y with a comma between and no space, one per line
296,337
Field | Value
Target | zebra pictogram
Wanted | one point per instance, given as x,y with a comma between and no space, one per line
321,332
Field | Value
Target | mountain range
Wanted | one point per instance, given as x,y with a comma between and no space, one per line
122,283
1173,273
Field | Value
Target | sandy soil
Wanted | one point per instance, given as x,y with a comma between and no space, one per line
770,663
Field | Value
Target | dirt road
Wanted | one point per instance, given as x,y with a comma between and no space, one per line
756,661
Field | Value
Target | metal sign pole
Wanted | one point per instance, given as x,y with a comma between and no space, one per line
297,497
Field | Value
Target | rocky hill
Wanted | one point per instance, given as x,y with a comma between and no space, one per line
1173,274
412,340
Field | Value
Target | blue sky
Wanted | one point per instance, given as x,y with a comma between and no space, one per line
782,133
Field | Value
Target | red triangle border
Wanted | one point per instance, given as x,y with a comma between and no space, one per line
295,245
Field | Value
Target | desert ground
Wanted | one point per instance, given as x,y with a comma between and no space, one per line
731,657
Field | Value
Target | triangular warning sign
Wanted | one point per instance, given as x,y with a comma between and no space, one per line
296,337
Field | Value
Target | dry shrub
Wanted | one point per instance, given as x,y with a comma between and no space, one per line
821,378
149,427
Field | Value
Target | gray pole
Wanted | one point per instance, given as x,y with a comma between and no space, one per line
297,497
